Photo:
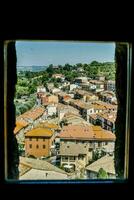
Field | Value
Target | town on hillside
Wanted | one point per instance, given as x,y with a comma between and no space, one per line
65,123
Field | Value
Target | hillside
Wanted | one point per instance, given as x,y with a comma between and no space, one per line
31,68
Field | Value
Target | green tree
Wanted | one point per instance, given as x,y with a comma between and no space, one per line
102,174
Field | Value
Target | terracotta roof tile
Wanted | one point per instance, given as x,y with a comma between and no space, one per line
86,132
48,125
39,132
33,113
19,125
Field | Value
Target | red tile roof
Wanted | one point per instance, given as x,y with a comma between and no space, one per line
20,124
33,113
86,132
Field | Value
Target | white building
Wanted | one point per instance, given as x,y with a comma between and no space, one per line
51,110
73,86
55,90
110,85
41,89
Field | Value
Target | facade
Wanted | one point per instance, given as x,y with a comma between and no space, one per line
100,78
38,142
64,109
72,86
96,85
80,80
85,95
47,99
93,136
51,110
41,89
107,96
93,119
107,120
73,156
55,90
110,85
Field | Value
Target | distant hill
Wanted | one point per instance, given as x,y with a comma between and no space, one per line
31,68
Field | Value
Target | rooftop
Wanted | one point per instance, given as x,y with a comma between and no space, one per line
39,132
110,116
20,124
73,149
38,165
96,82
93,116
32,114
104,105
86,132
48,125
106,162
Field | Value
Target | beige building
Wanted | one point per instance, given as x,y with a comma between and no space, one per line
73,156
47,99
93,136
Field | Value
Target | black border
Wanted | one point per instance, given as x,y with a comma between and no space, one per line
123,188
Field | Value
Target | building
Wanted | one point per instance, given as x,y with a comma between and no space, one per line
107,96
71,118
28,121
110,85
41,89
20,129
93,119
105,106
94,136
64,109
47,99
50,86
80,80
107,120
73,156
106,163
38,142
58,76
86,96
87,108
96,85
63,96
51,110
34,116
72,86
100,78
55,90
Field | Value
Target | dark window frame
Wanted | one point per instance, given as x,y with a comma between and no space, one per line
5,145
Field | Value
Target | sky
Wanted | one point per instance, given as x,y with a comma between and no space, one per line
44,53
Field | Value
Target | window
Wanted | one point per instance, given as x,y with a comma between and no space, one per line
72,158
30,146
37,146
99,144
64,158
80,157
127,125
44,146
